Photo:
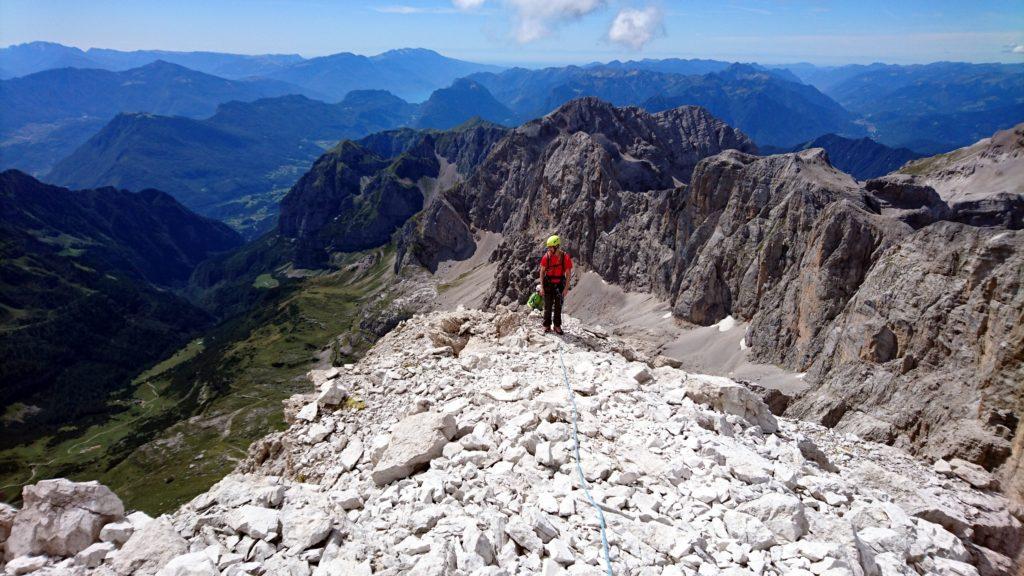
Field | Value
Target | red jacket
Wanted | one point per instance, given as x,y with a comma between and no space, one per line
556,268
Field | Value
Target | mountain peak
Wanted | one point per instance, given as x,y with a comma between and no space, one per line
408,52
448,107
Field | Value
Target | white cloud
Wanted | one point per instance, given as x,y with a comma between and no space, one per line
535,19
635,28
1018,49
413,10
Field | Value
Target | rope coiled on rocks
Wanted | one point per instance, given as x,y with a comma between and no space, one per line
579,467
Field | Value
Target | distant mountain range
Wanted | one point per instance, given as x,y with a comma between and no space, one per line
84,297
930,108
48,114
237,164
411,73
862,158
31,57
767,105
233,166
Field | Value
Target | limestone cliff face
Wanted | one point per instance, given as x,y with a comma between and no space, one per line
354,198
608,179
902,306
927,353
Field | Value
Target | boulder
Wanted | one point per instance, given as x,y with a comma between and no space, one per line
7,514
783,514
256,522
332,393
294,404
193,564
749,530
307,413
117,533
303,527
810,451
947,567
440,560
93,556
350,456
520,531
973,474
641,374
727,396
414,442
343,567
476,542
61,517
25,565
150,548
285,566
881,550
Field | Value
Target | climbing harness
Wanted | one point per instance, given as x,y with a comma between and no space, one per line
579,468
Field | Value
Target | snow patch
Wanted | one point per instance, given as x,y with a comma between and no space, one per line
726,324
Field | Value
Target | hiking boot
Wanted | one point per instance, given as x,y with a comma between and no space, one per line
547,329
558,330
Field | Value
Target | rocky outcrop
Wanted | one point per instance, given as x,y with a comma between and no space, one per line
353,198
693,475
61,518
801,251
909,199
983,184
862,158
607,178
925,354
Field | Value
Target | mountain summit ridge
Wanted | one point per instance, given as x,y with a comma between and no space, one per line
476,474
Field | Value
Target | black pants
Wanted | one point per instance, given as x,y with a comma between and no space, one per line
553,302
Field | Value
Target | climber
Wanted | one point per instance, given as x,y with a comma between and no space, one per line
555,272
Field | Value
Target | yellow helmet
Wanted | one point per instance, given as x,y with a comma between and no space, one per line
553,241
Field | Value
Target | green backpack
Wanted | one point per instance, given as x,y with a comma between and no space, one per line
536,301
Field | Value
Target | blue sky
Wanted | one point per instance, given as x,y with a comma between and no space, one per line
537,32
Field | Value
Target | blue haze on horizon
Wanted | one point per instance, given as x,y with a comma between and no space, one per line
560,31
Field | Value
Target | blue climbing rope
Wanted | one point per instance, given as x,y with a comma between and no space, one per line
579,468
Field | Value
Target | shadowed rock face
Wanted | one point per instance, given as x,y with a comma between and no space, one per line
353,198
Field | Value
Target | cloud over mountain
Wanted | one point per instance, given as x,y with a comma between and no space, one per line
635,28
537,19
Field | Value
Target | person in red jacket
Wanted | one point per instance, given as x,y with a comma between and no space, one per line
555,272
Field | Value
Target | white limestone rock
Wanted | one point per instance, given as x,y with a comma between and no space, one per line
332,393
727,396
61,518
26,564
749,530
255,521
93,556
303,527
414,442
973,474
117,533
149,548
783,514
192,564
